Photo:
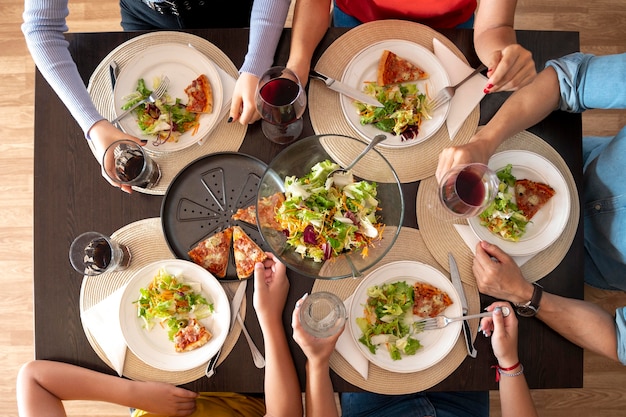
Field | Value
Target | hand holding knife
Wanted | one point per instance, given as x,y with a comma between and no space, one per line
345,89
458,286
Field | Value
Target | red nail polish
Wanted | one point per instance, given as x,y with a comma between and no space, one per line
490,70
486,91
489,86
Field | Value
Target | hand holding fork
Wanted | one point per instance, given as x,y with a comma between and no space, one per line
446,93
440,322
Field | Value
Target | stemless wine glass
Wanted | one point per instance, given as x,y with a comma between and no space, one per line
467,190
126,162
281,100
93,253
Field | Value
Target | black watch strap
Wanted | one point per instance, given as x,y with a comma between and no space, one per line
531,308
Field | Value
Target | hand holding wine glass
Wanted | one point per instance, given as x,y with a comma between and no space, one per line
467,190
281,100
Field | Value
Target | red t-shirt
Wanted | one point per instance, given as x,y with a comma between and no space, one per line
434,13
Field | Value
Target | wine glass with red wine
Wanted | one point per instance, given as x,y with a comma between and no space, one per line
93,253
467,190
281,100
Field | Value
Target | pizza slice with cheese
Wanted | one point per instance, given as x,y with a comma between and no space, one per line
246,214
246,253
531,196
200,95
428,300
191,337
393,69
213,253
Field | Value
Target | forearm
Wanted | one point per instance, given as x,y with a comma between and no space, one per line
582,323
310,23
43,28
515,398
266,26
493,27
320,396
524,108
283,396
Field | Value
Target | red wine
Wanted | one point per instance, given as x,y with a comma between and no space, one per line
280,92
98,254
470,188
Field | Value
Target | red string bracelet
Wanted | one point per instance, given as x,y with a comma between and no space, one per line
500,369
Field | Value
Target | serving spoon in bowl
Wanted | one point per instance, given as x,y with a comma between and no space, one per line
344,171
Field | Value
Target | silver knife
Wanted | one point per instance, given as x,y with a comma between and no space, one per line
114,71
345,89
236,303
458,286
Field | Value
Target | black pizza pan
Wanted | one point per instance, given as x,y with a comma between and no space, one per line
202,198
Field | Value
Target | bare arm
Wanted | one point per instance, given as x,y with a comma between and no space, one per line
282,389
310,23
514,393
43,385
320,396
511,66
523,109
569,317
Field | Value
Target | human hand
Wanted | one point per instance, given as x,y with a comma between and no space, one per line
317,350
498,275
474,151
243,106
102,134
163,399
271,287
510,69
503,332
301,69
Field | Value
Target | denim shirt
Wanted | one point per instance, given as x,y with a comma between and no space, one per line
598,82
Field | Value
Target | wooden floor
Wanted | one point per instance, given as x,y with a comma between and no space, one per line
601,25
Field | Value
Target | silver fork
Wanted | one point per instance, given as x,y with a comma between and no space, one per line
447,93
154,96
440,322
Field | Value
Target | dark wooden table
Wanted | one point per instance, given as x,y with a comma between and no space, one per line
71,197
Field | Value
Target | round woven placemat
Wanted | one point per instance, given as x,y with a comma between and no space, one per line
409,247
147,244
441,237
412,163
224,137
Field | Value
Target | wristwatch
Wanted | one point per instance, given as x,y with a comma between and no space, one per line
531,308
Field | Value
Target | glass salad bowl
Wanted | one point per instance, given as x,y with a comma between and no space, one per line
329,225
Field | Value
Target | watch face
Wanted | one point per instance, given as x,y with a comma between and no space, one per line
526,311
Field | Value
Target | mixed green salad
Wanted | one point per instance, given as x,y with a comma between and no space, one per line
167,118
388,320
405,107
171,303
324,216
502,217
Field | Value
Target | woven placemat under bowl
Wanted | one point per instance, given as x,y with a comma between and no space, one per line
224,137
441,236
412,163
409,247
147,244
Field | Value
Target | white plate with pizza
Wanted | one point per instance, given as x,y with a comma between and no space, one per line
548,223
182,65
363,69
154,346
436,344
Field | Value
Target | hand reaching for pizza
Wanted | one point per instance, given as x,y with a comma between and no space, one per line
271,287
510,69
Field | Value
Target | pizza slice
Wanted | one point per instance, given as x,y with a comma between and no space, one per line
428,300
531,196
213,253
200,95
246,214
393,69
267,210
191,337
246,253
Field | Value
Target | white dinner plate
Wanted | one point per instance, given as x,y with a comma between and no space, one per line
363,67
153,346
548,223
181,64
436,344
